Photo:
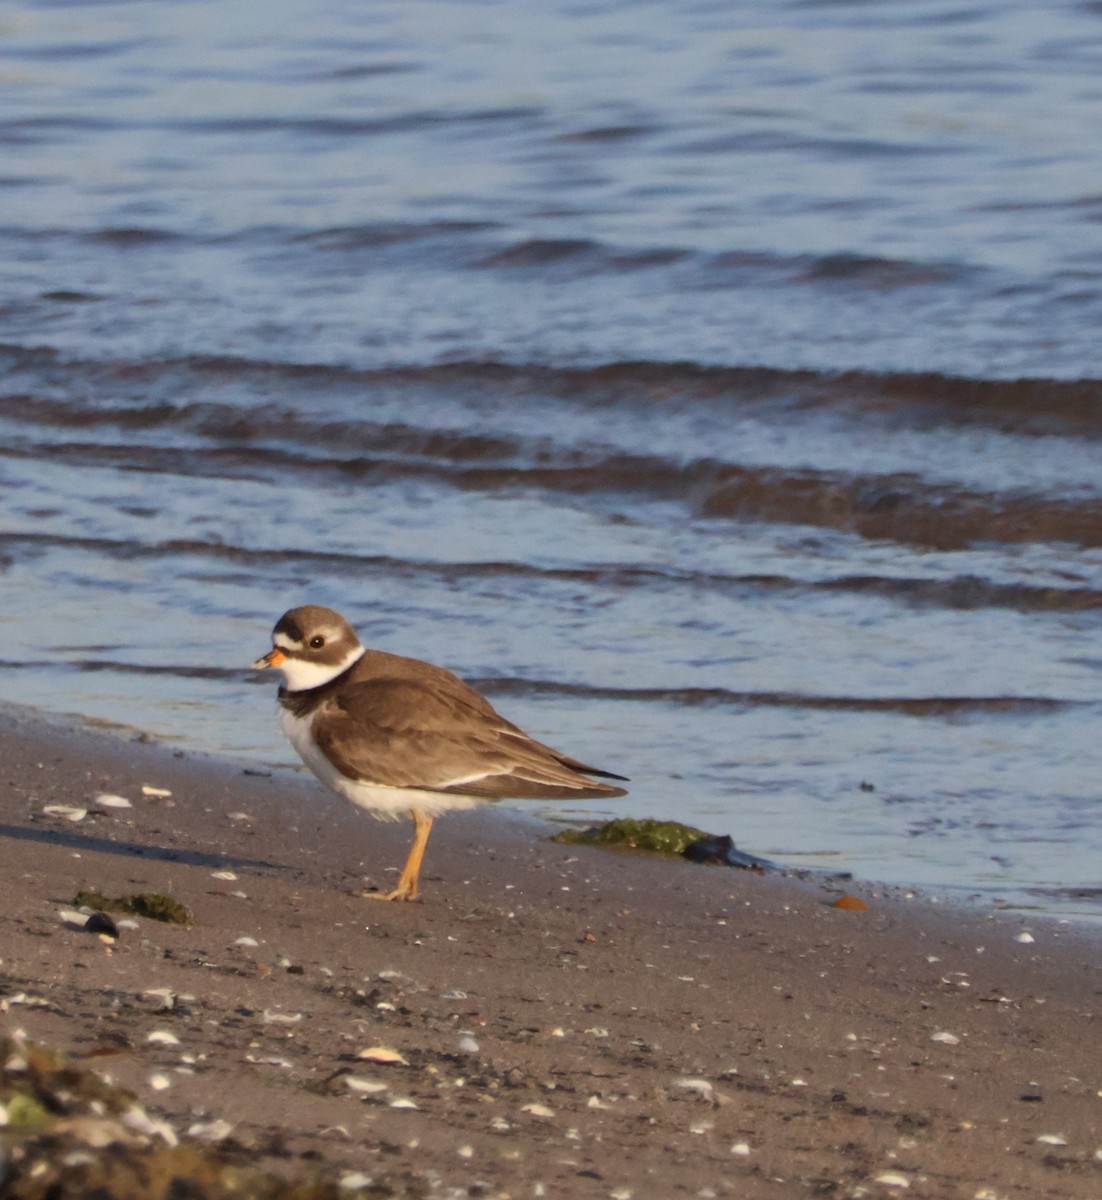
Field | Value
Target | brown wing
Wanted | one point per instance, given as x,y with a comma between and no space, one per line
408,733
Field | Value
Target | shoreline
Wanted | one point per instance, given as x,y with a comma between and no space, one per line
573,1022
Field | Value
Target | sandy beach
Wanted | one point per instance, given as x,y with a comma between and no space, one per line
563,1021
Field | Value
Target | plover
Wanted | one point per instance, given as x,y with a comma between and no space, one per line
400,737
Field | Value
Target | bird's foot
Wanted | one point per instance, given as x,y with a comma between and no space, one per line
399,893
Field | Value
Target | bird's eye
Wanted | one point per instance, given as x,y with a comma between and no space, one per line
317,642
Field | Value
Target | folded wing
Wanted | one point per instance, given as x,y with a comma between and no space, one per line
415,735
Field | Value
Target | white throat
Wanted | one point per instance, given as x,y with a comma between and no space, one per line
300,676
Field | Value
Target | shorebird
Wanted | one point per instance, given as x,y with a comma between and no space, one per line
400,737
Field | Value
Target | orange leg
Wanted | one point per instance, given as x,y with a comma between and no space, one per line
407,881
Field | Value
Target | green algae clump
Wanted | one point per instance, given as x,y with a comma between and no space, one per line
155,906
633,833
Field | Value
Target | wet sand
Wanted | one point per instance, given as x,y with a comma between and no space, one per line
573,1022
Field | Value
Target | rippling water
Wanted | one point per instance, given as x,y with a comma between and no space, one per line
717,386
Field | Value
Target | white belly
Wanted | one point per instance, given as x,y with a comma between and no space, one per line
383,802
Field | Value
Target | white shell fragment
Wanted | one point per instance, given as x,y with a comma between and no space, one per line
950,1039
166,996
269,1060
140,1121
72,918
538,1110
23,998
355,1181
1052,1139
110,800
467,1045
1025,936
67,811
162,1037
403,1102
149,790
699,1087
893,1179
382,1054
742,1149
210,1131
276,1018
160,1083
222,875
246,941
365,1087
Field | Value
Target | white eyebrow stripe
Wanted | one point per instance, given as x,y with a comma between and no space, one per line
284,642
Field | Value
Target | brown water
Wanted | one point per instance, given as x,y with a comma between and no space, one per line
719,389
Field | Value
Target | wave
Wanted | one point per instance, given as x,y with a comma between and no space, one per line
1023,406
959,592
675,697
714,697
150,423
897,507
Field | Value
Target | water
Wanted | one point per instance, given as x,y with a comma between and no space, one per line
716,386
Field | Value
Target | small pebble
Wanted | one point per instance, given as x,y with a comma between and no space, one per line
467,1045
741,1148
101,922
1025,936
160,1083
